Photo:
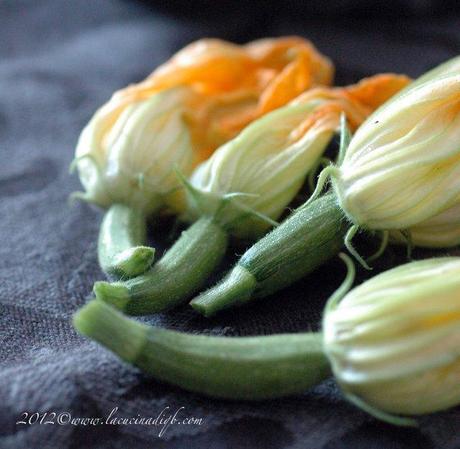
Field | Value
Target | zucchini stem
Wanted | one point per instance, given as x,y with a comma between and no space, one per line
312,234
248,368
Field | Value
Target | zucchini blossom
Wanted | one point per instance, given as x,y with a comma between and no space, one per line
393,341
401,170
130,159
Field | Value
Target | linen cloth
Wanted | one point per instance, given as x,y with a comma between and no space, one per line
59,60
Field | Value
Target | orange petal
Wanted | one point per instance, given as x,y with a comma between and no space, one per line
293,79
375,90
212,63
357,101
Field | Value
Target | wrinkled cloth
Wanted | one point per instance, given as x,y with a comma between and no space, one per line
58,62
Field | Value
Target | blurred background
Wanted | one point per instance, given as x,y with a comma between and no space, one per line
60,60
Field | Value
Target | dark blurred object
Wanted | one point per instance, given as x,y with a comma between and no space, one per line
299,9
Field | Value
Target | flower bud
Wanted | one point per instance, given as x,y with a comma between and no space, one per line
401,170
393,341
262,169
189,106
129,156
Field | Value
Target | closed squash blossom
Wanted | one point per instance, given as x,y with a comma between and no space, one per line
394,341
401,170
132,162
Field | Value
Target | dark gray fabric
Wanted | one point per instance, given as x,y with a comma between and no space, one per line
59,60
